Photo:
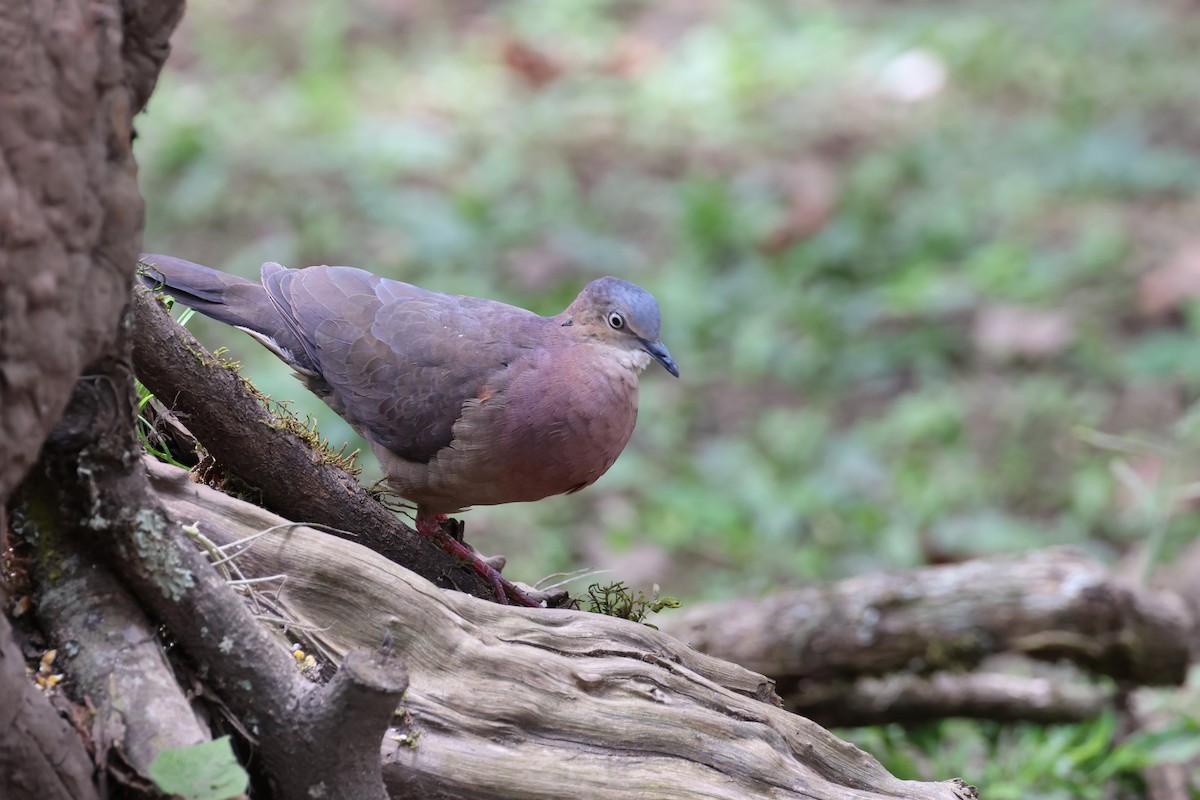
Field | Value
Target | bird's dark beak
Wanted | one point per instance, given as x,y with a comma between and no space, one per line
659,351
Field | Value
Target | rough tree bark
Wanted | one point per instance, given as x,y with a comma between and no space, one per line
827,646
72,75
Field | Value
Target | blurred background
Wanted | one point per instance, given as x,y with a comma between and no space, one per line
930,270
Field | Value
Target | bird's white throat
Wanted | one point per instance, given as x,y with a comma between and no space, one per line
636,360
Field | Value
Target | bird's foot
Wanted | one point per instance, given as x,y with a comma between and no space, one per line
447,534
457,529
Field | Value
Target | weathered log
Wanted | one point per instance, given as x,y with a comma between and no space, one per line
1047,605
905,698
518,703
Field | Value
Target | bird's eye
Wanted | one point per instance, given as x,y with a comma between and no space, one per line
616,321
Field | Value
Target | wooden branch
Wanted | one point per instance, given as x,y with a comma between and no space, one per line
224,414
118,665
1048,605
514,703
905,698
104,489
367,687
41,758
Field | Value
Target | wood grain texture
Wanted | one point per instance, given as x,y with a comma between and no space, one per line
515,703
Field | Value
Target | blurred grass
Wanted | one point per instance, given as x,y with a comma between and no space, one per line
825,251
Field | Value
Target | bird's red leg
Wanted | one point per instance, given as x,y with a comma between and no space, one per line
431,528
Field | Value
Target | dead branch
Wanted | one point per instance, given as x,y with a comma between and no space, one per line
906,698
515,703
1048,605
119,665
103,495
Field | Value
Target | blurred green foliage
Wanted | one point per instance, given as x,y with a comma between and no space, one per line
911,327
835,409
1015,762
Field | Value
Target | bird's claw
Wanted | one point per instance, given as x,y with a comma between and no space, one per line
447,533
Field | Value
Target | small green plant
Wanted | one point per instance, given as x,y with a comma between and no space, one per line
153,440
1014,762
617,600
306,429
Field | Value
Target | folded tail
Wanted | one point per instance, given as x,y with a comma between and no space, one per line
229,299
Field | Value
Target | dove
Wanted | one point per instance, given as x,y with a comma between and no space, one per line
465,401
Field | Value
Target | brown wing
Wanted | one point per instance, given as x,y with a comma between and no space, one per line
397,361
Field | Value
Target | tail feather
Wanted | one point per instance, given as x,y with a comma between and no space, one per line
226,298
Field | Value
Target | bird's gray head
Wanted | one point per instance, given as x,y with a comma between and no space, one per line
620,313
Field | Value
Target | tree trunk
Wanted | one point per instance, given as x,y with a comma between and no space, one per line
72,75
